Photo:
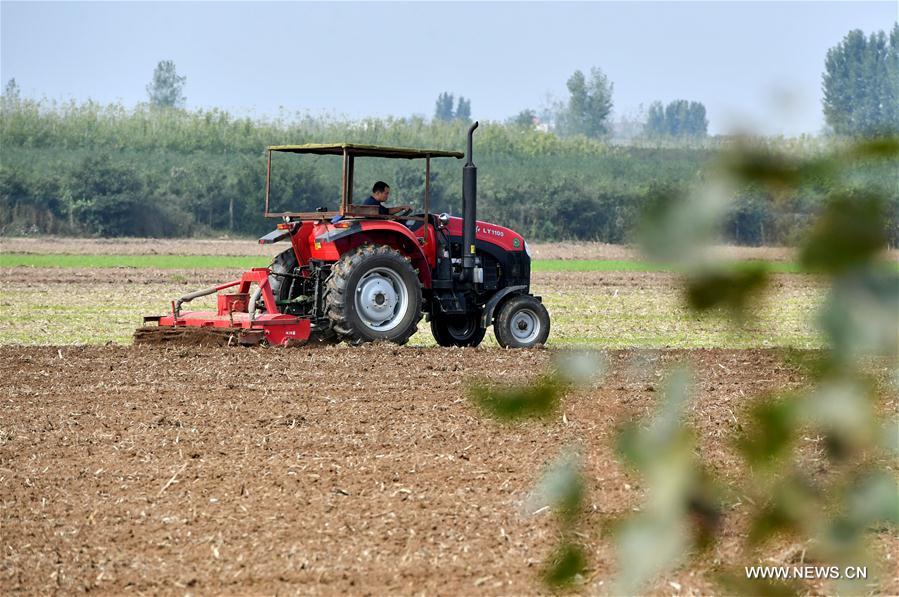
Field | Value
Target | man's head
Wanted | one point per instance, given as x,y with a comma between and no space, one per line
381,191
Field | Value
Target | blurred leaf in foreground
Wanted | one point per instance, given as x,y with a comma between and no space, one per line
771,431
868,501
676,228
791,506
842,411
732,289
539,399
662,450
812,363
861,315
888,437
565,565
875,148
581,367
850,232
873,497
641,444
561,487
762,166
647,546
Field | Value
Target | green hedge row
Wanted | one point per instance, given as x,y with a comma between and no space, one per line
88,169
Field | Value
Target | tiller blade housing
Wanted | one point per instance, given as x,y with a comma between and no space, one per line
236,316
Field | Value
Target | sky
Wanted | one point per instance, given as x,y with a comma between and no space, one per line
756,66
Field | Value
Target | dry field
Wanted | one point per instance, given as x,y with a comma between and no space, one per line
324,470
608,309
335,470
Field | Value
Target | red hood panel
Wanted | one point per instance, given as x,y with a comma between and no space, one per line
491,233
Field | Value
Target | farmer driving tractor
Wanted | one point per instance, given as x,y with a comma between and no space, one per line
380,193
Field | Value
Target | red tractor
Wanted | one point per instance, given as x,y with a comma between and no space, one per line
356,276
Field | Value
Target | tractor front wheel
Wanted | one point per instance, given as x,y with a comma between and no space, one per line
373,293
523,322
457,330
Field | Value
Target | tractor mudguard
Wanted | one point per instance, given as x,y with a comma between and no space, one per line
490,307
298,233
346,236
274,236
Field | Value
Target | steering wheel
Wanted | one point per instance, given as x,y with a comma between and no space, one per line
402,210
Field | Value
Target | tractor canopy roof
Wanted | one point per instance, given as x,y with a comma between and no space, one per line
375,151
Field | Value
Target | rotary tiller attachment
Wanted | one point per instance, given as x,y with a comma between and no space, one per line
235,322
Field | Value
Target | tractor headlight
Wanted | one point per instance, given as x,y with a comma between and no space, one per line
527,250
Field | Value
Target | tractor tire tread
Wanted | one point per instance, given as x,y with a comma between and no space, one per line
337,301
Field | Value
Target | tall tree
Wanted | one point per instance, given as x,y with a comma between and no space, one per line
11,92
656,126
577,104
697,123
444,108
680,118
463,109
860,84
167,86
891,80
676,117
524,119
589,104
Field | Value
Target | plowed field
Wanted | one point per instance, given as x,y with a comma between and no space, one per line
327,470
338,470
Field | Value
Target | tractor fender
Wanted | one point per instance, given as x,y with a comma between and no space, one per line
384,232
495,300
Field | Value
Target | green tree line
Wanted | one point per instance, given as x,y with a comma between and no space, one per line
861,84
90,169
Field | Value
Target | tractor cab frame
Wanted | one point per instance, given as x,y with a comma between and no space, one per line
349,152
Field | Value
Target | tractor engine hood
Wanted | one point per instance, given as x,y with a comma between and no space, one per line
500,236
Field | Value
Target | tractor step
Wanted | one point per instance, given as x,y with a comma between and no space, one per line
451,303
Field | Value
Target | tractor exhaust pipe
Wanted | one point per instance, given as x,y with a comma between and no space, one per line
469,209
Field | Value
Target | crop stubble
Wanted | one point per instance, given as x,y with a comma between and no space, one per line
319,470
608,309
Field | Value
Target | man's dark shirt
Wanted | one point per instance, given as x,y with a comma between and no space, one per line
372,201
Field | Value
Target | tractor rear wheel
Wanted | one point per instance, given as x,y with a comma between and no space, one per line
284,263
457,330
523,322
373,293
